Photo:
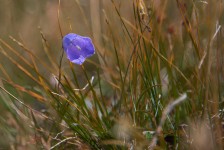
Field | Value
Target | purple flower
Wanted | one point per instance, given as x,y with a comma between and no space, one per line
77,47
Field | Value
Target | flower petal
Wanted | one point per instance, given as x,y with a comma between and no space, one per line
78,48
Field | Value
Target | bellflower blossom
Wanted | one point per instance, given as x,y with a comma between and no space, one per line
77,47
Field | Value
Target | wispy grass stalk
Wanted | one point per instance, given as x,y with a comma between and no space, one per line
129,94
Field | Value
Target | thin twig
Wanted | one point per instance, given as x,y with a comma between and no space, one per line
166,112
69,138
58,134
91,82
218,27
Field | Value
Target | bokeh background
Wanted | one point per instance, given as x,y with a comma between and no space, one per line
25,20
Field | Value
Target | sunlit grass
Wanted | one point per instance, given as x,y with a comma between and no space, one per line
156,81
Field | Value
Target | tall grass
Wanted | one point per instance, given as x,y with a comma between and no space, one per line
155,82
